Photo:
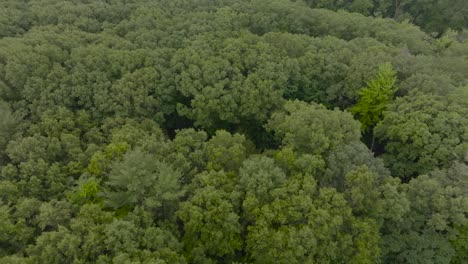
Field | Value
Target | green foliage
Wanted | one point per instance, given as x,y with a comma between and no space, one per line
258,176
362,193
188,152
460,245
226,151
200,131
423,132
8,125
101,160
87,191
432,219
347,158
374,98
211,222
311,128
432,16
140,179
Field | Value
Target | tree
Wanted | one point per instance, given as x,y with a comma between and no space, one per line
422,132
228,85
188,153
459,244
8,125
142,180
225,151
432,16
311,128
82,241
212,230
304,225
362,192
434,215
258,176
345,159
374,98
175,131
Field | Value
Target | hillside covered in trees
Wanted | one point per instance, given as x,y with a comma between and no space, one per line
233,131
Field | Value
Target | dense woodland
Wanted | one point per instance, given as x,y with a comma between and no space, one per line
233,131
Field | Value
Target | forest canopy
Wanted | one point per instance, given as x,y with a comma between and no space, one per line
233,131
